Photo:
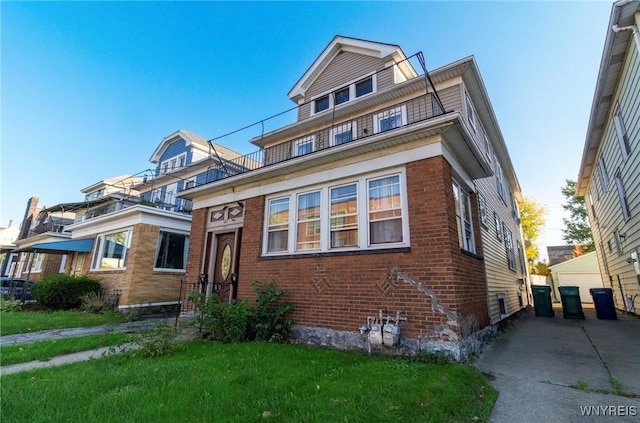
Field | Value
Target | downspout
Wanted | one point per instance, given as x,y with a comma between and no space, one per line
636,34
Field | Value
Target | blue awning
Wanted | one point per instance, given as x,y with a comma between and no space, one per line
62,247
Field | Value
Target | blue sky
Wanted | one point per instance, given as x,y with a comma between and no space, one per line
89,89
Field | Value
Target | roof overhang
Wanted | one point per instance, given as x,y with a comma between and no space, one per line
179,134
611,65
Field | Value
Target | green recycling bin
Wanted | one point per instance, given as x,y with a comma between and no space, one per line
542,300
571,304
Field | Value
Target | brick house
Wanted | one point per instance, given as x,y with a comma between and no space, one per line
393,192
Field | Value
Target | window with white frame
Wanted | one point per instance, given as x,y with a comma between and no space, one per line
36,262
354,214
502,304
523,264
341,134
344,216
390,119
482,210
303,146
308,221
111,250
508,242
344,94
173,163
487,148
500,183
278,225
462,201
604,175
621,132
498,224
171,251
622,196
471,114
616,242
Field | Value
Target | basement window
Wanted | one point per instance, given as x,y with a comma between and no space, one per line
502,305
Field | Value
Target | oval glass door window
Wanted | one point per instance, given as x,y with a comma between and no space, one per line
225,262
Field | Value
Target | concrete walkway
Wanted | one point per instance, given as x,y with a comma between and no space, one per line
537,360
131,327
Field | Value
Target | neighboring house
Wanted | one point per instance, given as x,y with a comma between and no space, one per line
392,193
8,236
40,226
559,253
582,271
138,231
609,176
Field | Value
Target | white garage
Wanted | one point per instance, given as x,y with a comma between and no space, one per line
582,272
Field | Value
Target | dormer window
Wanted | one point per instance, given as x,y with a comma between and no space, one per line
364,87
342,96
349,92
321,103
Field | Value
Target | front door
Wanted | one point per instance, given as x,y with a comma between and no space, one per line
225,271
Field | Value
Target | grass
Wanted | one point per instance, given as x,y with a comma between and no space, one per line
249,382
34,321
45,350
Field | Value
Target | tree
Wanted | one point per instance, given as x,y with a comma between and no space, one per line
533,220
577,230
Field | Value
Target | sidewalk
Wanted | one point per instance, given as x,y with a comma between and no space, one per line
537,360
131,327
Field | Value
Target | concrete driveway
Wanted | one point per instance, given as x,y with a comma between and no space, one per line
537,360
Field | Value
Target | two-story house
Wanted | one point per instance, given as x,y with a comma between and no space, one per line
393,192
609,176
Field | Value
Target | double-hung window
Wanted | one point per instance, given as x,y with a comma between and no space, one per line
278,225
344,216
498,223
308,221
511,254
604,175
303,146
390,119
482,209
36,263
171,251
621,132
463,218
344,133
111,250
367,212
622,196
471,114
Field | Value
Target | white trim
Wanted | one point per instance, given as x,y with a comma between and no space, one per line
98,252
309,139
388,113
139,305
341,129
351,85
362,182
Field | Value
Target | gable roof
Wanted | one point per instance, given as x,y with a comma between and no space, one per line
611,66
355,45
195,141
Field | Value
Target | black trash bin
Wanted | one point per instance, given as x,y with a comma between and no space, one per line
542,300
603,301
571,304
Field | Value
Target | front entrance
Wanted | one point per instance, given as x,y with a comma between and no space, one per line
225,268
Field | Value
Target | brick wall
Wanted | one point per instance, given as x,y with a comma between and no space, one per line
196,244
339,291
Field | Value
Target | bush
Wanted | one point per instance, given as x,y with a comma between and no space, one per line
227,322
10,305
60,291
270,321
94,303
157,342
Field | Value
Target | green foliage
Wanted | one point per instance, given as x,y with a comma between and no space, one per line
157,342
427,357
10,305
270,321
227,322
60,291
577,229
532,216
94,302
34,321
131,314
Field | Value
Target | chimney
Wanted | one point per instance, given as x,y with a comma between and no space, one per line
29,214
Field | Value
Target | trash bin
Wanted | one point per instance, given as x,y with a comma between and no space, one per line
603,301
542,300
571,305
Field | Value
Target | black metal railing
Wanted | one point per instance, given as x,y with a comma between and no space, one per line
393,117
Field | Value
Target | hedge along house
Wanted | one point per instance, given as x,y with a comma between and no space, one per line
393,193
138,228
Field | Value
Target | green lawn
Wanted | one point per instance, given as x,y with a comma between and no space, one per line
45,350
34,321
249,382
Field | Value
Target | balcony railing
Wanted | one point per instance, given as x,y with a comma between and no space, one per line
399,115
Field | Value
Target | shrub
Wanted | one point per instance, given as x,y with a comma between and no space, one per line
270,321
93,302
157,342
10,305
227,322
60,291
